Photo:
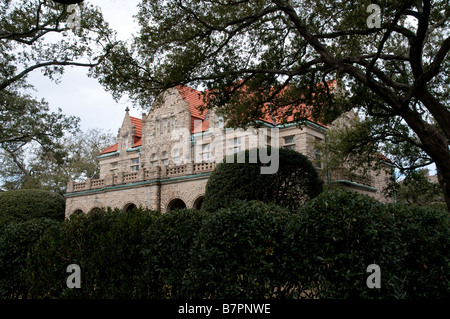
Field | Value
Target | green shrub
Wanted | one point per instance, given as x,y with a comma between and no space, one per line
338,234
425,232
168,252
106,244
295,182
237,253
16,243
25,204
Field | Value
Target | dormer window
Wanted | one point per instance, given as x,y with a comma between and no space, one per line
165,126
172,123
125,142
220,121
158,127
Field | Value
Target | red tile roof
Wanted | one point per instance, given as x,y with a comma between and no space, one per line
110,149
195,100
137,138
138,126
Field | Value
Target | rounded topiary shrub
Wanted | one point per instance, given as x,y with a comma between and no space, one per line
25,204
295,181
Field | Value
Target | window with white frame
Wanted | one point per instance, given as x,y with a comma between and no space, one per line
318,155
235,145
206,153
135,164
165,158
113,168
166,126
176,156
289,142
154,159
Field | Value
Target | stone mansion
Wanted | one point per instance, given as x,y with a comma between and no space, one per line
163,160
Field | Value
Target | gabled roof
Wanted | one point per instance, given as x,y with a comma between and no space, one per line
195,99
110,149
137,123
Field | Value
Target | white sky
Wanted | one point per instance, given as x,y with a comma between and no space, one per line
84,97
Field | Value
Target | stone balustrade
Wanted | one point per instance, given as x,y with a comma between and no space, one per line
346,174
154,173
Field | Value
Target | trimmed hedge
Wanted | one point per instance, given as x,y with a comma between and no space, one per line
340,233
25,204
16,244
237,253
106,244
295,182
250,249
168,252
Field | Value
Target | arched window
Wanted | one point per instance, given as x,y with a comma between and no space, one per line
176,204
129,207
198,203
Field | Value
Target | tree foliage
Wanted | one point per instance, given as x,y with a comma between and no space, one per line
28,123
35,35
417,189
77,161
286,52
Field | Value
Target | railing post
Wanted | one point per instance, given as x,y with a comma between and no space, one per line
70,187
109,180
88,183
190,168
163,172
119,178
141,174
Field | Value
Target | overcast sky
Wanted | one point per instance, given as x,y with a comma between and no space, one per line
84,97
